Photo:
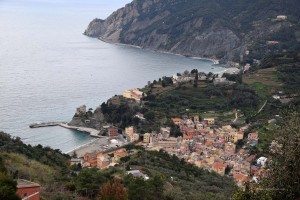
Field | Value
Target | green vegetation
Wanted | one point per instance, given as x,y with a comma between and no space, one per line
173,178
282,179
263,81
8,186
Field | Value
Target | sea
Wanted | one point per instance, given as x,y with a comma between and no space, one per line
48,67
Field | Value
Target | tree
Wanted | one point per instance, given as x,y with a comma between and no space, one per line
196,80
194,71
113,190
149,115
89,181
8,186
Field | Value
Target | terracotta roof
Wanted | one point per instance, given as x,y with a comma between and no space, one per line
176,120
218,165
250,158
239,177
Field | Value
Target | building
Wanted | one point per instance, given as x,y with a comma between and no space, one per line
28,190
271,42
281,17
103,160
209,121
146,138
253,136
136,137
120,154
129,130
133,94
112,132
230,148
75,161
81,109
219,168
90,159
222,81
165,132
138,173
196,119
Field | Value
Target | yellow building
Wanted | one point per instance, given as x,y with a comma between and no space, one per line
146,138
129,130
127,94
209,121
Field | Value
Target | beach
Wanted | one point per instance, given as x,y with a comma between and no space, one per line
94,145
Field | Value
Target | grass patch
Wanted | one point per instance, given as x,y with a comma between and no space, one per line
28,169
265,82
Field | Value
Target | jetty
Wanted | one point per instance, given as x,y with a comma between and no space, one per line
91,131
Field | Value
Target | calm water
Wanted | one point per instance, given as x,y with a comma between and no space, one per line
48,68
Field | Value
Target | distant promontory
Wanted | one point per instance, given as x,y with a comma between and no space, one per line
227,30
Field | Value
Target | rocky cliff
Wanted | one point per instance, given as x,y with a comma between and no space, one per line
225,29
89,119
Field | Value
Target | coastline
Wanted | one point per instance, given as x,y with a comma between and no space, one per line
214,61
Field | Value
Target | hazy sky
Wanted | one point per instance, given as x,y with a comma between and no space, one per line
105,7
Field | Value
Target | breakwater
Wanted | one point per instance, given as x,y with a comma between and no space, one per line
91,131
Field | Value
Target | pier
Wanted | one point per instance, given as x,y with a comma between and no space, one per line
91,131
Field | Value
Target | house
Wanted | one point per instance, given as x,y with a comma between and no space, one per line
240,134
262,161
112,132
222,81
140,116
90,159
138,173
281,17
271,42
209,121
240,179
146,138
129,130
28,190
103,161
219,168
253,136
133,94
120,154
196,119
75,161
230,148
165,132
81,109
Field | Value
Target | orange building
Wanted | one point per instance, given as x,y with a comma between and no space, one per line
28,190
120,154
219,168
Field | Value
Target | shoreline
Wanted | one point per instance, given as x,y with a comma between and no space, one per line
214,61
89,147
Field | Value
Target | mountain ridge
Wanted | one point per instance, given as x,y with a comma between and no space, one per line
216,29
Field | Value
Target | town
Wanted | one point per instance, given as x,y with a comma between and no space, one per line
203,144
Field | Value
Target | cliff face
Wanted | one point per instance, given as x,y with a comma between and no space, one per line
89,119
206,28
